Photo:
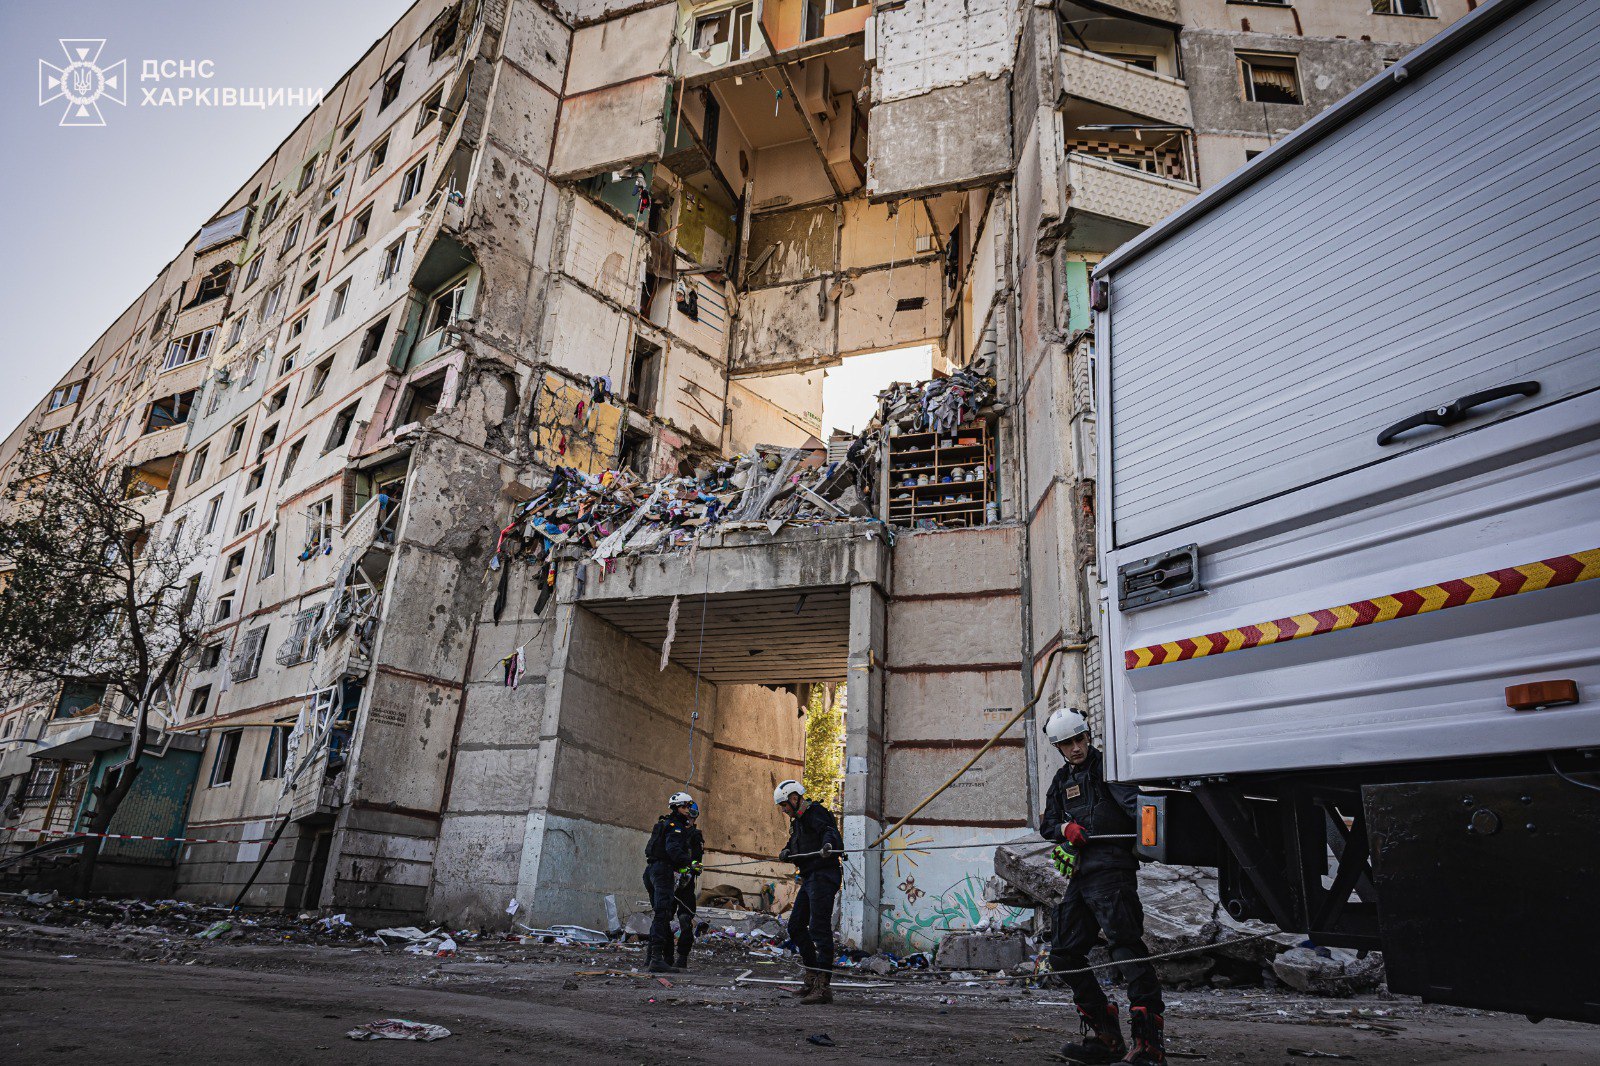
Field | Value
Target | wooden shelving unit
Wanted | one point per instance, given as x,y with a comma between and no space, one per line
948,505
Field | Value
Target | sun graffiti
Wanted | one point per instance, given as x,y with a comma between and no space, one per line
902,846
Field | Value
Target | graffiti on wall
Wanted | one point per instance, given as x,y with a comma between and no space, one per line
933,888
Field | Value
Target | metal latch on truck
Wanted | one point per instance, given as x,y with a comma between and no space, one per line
1161,577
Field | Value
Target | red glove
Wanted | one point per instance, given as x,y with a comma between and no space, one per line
1073,833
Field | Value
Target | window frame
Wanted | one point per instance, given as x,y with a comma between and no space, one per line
226,758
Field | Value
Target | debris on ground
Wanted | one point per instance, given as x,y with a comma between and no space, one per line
1328,971
821,1040
398,1029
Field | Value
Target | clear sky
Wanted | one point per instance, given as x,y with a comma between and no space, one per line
92,214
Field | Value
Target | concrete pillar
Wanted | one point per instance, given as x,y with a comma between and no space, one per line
860,911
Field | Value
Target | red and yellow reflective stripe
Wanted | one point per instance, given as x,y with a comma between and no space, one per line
1497,584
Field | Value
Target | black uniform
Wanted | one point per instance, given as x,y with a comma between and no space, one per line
811,920
686,896
1104,892
671,849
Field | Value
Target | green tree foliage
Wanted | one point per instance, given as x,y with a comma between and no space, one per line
824,769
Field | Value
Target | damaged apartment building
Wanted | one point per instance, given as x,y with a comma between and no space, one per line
537,268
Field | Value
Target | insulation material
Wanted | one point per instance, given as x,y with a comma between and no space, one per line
571,430
706,229
929,44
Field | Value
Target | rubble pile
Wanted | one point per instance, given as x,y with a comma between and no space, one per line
617,512
941,404
1183,911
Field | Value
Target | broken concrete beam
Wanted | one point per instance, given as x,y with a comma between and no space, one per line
980,951
1338,972
997,890
1026,867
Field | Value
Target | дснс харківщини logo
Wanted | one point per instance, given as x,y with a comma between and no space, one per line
83,82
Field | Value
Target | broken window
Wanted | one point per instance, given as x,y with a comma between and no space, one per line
734,25
308,288
391,85
1417,8
289,460
643,373
375,158
213,285
269,213
168,411
77,699
359,226
210,656
1270,78
276,760
297,327
247,518
197,465
291,237
236,330
308,174
298,646
234,565
319,526
51,438
227,754
257,477
269,302
199,698
269,552
443,38
188,349
446,308
372,340
411,184
336,304
286,364
276,401
327,218
391,260
65,395
339,432
423,399
212,510
349,129
235,439
430,109
319,378
224,609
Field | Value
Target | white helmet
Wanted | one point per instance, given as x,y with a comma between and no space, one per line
680,799
787,789
1064,724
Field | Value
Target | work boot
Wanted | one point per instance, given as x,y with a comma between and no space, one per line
683,958
660,961
821,990
808,981
1149,1049
1102,1037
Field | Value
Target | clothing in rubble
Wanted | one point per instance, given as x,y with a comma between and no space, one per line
1103,895
811,920
672,848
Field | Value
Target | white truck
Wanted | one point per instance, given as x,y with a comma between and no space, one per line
1349,514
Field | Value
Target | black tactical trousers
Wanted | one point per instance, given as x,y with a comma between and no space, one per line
811,920
1104,900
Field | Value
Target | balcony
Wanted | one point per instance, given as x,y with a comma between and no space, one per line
1100,79
1160,10
1112,203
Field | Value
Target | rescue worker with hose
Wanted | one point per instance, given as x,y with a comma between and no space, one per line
1102,896
672,856
815,847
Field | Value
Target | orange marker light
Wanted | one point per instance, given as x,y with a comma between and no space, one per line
1147,825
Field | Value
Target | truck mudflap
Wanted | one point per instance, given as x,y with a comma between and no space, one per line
1487,891
1496,584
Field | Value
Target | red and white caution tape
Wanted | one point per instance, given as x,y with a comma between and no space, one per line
128,836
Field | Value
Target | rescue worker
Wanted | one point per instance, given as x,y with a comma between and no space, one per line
814,847
1102,896
686,896
670,850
